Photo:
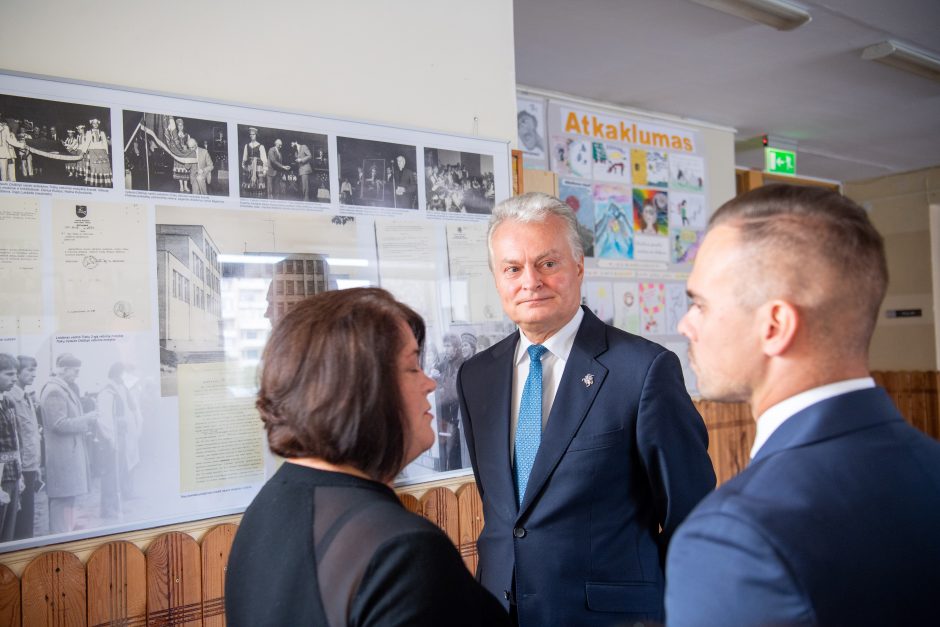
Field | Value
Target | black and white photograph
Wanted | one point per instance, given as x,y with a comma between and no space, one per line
87,439
458,182
530,121
441,360
56,143
189,279
165,152
377,174
281,164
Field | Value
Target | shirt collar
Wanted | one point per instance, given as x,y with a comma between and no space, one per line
558,345
776,415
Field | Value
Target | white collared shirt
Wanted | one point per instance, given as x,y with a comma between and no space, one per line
553,366
778,414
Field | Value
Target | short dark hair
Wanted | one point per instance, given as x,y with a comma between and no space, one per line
330,381
820,248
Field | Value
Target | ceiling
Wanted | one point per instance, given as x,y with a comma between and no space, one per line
851,119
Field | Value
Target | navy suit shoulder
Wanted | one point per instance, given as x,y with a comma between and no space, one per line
834,522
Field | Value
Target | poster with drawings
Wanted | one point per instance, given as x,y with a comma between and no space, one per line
579,196
572,157
650,209
650,168
686,173
611,162
652,308
687,211
684,244
677,303
626,306
598,296
613,234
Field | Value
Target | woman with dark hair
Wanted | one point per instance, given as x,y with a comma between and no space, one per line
326,541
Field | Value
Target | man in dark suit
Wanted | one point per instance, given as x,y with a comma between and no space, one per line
302,158
585,446
835,521
201,171
406,185
276,171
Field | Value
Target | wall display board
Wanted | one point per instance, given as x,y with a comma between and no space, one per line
638,188
147,244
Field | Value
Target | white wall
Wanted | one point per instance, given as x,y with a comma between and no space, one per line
429,64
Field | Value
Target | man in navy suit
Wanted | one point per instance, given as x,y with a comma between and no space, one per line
835,521
584,481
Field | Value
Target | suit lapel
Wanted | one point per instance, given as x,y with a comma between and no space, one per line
492,434
572,401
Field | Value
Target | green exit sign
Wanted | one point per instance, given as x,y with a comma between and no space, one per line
780,161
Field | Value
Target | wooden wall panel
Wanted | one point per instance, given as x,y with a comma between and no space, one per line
117,585
216,546
470,523
439,505
731,432
411,503
10,612
54,591
174,581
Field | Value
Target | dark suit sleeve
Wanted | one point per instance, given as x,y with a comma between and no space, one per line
673,444
722,571
468,429
419,580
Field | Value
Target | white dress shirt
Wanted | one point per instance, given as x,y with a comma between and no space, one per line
558,347
778,414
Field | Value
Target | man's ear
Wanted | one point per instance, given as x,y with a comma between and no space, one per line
779,323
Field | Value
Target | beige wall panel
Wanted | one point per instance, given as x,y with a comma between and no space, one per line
898,214
909,263
903,348
421,63
886,186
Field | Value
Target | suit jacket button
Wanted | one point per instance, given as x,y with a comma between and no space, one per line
519,532
506,595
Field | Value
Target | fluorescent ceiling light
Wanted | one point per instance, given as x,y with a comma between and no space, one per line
250,259
339,261
904,58
777,13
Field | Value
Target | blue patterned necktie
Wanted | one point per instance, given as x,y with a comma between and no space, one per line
529,427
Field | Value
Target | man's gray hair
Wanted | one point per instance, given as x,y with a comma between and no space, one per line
535,207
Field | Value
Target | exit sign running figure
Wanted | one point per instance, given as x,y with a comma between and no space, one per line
780,161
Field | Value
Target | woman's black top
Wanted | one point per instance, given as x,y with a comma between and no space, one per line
327,548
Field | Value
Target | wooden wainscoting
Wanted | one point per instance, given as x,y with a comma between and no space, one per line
171,578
